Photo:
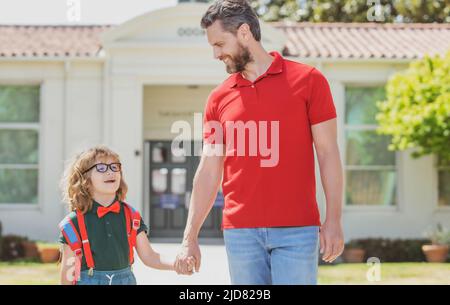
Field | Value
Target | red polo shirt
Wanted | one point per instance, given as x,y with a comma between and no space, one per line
283,194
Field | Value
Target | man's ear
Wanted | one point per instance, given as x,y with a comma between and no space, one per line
244,32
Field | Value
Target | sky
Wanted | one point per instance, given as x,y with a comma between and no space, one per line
73,12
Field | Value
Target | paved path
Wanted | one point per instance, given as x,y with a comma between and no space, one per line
213,271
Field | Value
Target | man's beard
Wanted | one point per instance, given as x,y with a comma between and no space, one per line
239,61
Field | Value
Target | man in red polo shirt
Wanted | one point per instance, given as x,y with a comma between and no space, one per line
260,126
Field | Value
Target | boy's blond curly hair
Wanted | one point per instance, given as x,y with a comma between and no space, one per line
76,186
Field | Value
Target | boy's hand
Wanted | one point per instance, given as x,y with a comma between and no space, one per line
191,264
188,249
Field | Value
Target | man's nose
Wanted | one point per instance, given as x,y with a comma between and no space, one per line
217,54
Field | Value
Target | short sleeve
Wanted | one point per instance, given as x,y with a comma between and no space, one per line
73,217
62,239
142,227
212,129
320,104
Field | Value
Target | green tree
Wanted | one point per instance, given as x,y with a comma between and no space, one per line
351,11
417,110
354,10
275,10
423,11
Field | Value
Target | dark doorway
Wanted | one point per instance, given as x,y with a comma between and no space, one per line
171,175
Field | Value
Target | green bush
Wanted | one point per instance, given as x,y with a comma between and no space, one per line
392,250
417,110
1,231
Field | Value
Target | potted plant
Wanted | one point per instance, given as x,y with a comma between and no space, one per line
437,251
31,249
353,252
48,253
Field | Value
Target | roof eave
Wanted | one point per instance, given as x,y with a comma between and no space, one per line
99,58
351,60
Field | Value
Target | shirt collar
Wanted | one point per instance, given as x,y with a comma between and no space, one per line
96,205
275,67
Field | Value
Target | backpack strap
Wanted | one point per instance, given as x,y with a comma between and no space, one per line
74,242
85,243
133,222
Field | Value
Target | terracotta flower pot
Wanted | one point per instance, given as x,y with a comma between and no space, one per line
354,255
435,253
49,255
31,249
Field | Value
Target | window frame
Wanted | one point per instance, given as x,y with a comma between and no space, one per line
367,127
37,126
438,168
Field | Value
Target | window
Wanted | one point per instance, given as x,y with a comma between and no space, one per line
19,144
159,180
178,185
444,184
369,166
159,153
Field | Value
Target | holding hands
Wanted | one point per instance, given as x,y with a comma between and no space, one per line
188,258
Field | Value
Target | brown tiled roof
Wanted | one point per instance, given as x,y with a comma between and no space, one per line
308,40
50,41
365,40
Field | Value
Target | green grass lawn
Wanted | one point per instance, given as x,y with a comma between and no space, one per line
390,273
21,273
27,273
42,244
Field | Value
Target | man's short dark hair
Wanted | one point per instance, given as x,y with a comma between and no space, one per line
232,14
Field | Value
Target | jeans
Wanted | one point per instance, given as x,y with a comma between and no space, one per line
115,277
279,256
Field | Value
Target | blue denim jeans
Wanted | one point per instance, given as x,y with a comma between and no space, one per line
115,277
279,256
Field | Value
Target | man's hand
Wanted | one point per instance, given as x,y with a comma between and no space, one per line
331,240
189,254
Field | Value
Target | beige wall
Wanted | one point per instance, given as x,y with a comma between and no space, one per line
70,111
163,105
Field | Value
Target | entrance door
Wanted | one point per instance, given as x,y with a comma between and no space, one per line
170,177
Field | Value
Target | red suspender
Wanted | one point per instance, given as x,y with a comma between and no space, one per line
128,227
85,242
133,222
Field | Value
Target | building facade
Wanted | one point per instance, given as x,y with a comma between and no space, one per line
65,88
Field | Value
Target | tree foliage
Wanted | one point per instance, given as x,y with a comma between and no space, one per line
417,110
354,10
